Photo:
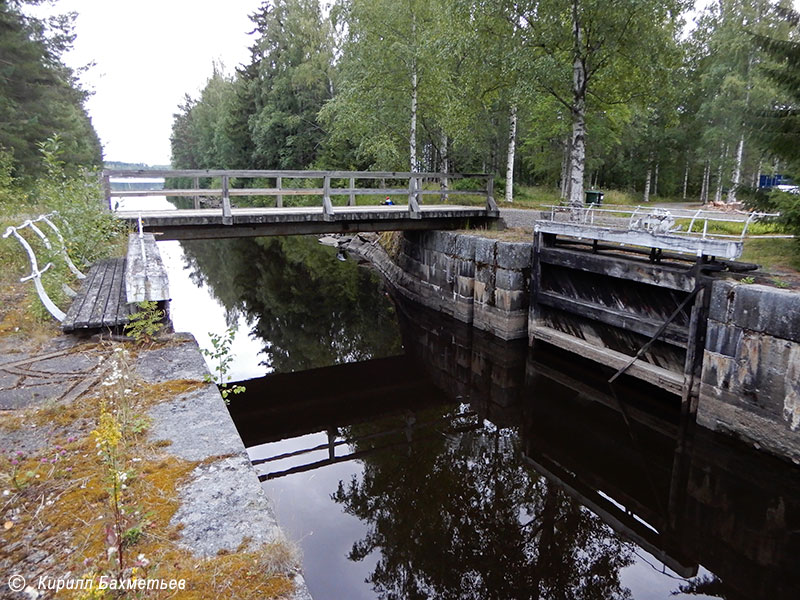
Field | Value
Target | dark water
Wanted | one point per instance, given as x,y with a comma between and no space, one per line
410,456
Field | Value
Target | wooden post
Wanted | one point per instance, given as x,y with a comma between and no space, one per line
536,282
279,197
696,345
196,186
491,205
227,216
352,200
105,182
413,195
327,206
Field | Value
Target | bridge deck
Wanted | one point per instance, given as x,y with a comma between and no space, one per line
210,223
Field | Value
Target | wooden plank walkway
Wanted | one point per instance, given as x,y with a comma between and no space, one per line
101,302
211,223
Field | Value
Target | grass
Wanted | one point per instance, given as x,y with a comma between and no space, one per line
56,500
773,253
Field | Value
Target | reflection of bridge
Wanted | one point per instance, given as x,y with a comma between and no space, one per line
345,203
687,498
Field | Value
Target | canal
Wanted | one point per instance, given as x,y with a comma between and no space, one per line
409,456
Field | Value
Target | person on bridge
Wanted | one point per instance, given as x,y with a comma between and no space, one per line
388,201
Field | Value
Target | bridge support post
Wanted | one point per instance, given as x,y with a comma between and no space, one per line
352,200
105,184
227,216
279,197
196,186
327,205
413,197
491,205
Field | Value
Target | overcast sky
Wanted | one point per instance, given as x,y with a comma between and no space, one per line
148,54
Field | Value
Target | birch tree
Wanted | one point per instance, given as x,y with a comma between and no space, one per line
387,77
591,53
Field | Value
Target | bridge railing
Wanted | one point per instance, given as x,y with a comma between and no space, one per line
414,189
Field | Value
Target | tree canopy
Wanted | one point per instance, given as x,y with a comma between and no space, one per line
39,95
568,93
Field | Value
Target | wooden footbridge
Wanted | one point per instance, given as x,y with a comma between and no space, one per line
303,202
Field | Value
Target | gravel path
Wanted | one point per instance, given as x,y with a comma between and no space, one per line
520,217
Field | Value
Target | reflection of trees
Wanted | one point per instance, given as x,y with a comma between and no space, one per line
463,518
310,309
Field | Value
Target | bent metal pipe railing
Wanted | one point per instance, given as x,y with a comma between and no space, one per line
36,273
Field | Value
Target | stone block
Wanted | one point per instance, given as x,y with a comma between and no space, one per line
485,251
510,300
485,274
465,268
769,310
514,255
723,338
412,250
722,294
510,279
465,247
482,293
443,241
465,286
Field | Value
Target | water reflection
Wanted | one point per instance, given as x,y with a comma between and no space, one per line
481,470
414,457
309,309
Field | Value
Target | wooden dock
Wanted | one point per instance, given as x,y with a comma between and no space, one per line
114,286
101,302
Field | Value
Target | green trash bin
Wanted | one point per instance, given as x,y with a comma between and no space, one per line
594,197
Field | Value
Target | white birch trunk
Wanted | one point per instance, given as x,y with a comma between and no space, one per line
565,170
685,179
737,171
412,138
512,145
577,157
706,181
757,176
647,178
445,164
655,181
718,192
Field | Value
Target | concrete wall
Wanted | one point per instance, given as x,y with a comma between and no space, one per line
477,280
751,366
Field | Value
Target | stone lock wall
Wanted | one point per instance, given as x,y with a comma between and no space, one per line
474,279
750,385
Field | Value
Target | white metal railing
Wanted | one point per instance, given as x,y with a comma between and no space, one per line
659,220
36,272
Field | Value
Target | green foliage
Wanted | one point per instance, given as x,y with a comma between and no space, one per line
220,355
266,115
90,231
336,92
40,96
146,323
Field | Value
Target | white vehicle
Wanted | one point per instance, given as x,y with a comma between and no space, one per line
792,189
